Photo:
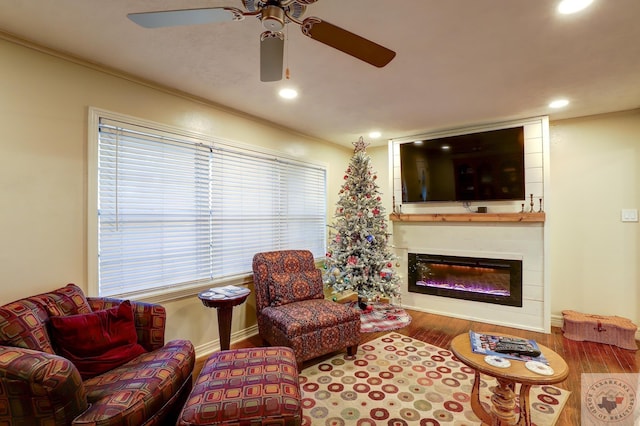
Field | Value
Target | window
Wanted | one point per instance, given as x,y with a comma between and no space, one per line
178,210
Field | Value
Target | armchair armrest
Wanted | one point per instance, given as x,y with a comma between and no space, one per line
150,319
37,385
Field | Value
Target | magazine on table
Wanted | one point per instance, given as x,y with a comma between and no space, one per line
507,347
227,291
230,290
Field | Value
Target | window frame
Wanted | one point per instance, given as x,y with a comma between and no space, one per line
182,290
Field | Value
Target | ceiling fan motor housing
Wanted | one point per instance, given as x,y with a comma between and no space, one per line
273,18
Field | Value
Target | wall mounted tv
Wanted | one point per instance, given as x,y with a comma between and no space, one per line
484,166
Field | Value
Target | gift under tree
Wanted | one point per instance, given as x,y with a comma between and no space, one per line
358,257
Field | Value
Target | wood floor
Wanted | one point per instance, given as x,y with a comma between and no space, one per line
582,357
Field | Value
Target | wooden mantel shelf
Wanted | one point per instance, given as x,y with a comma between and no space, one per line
468,217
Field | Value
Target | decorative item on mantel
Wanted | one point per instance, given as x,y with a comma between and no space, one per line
358,258
531,204
531,210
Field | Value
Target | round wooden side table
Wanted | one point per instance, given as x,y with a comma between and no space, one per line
504,399
224,306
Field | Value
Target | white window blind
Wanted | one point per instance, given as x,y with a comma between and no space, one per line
175,211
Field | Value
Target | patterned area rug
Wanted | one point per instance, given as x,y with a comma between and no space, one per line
397,380
383,317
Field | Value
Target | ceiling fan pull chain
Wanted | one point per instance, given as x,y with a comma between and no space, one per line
286,46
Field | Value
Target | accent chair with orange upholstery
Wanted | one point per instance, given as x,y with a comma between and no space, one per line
292,310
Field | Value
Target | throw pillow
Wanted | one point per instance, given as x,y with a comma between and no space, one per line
286,288
98,341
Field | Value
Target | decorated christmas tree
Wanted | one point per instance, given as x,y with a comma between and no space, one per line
358,258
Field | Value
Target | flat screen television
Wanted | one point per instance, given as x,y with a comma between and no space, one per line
483,166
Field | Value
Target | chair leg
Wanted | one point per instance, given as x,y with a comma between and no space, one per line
352,350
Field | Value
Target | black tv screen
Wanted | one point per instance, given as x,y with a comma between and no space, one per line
484,166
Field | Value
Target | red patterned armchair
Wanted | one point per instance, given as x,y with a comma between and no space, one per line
292,310
53,370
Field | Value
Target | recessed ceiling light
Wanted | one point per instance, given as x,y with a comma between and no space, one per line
559,103
445,147
288,93
567,7
418,142
375,135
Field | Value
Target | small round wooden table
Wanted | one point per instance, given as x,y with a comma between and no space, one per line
503,410
224,306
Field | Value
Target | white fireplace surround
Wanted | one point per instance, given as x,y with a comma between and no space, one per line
500,240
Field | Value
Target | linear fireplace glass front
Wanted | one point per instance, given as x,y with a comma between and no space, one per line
471,278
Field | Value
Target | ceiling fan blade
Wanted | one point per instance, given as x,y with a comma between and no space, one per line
171,18
347,42
271,55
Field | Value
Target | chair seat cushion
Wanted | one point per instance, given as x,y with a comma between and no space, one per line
308,316
140,388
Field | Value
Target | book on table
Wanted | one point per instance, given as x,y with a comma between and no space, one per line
515,348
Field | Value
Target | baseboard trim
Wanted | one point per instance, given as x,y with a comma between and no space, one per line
206,349
557,321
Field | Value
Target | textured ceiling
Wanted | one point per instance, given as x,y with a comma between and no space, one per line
458,63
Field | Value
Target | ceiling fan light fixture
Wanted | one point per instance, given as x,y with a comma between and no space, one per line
558,103
567,7
288,93
273,18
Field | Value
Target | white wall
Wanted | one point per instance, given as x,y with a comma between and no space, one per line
44,104
595,172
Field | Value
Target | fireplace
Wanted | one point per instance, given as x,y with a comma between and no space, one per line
497,281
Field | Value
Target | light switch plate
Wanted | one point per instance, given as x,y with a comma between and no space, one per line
629,215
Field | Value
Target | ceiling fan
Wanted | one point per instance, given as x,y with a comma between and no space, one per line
274,15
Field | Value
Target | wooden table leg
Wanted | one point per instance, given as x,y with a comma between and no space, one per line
504,402
476,405
525,407
224,326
